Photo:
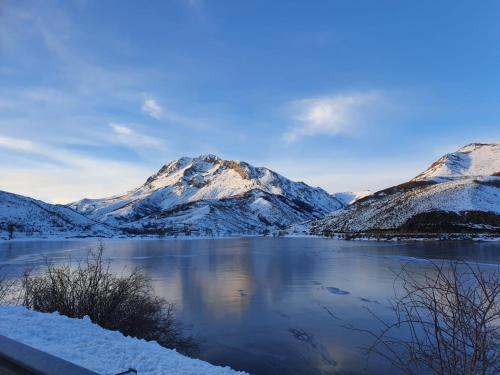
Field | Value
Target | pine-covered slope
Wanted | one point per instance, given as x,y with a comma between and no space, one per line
212,196
21,216
458,193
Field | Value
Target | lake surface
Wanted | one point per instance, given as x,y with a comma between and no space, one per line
270,305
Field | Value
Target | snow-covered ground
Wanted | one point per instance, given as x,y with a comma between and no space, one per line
86,344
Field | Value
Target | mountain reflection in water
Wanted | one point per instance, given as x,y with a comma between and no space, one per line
269,305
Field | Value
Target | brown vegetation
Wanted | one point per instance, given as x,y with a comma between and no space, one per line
124,303
452,222
5,286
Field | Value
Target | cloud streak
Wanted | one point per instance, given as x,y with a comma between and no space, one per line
164,114
152,108
17,144
130,137
329,115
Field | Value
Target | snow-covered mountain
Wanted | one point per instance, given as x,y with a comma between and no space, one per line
458,193
475,159
22,216
207,195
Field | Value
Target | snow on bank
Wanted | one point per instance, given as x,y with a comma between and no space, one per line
86,344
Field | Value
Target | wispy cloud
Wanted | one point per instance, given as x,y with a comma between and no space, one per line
130,137
152,108
17,144
121,130
329,115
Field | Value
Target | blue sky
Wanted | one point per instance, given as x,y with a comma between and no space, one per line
95,96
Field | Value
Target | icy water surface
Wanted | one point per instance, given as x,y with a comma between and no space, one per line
270,305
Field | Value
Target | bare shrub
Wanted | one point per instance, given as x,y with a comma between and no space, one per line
124,303
5,286
450,317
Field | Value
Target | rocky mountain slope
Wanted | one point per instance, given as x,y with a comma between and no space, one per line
210,196
458,193
22,216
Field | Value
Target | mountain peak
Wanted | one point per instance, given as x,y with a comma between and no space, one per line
184,161
207,166
474,159
474,146
209,158
210,190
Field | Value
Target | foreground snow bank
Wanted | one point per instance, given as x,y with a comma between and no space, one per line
86,344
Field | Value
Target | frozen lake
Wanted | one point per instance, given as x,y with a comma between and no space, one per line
269,305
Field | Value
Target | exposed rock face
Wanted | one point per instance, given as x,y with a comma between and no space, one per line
209,195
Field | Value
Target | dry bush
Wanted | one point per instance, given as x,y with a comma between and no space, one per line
450,318
6,286
124,303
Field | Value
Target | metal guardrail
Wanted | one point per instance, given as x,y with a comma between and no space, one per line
20,359
17,358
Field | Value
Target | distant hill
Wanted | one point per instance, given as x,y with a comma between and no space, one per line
458,193
23,216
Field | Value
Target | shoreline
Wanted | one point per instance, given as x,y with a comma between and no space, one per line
399,237
375,237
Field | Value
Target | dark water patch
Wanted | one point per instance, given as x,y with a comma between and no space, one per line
319,349
338,291
369,300
331,313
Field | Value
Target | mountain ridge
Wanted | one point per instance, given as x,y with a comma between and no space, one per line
210,196
186,182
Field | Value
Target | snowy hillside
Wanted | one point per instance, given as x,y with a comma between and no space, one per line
212,196
475,159
453,195
22,216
